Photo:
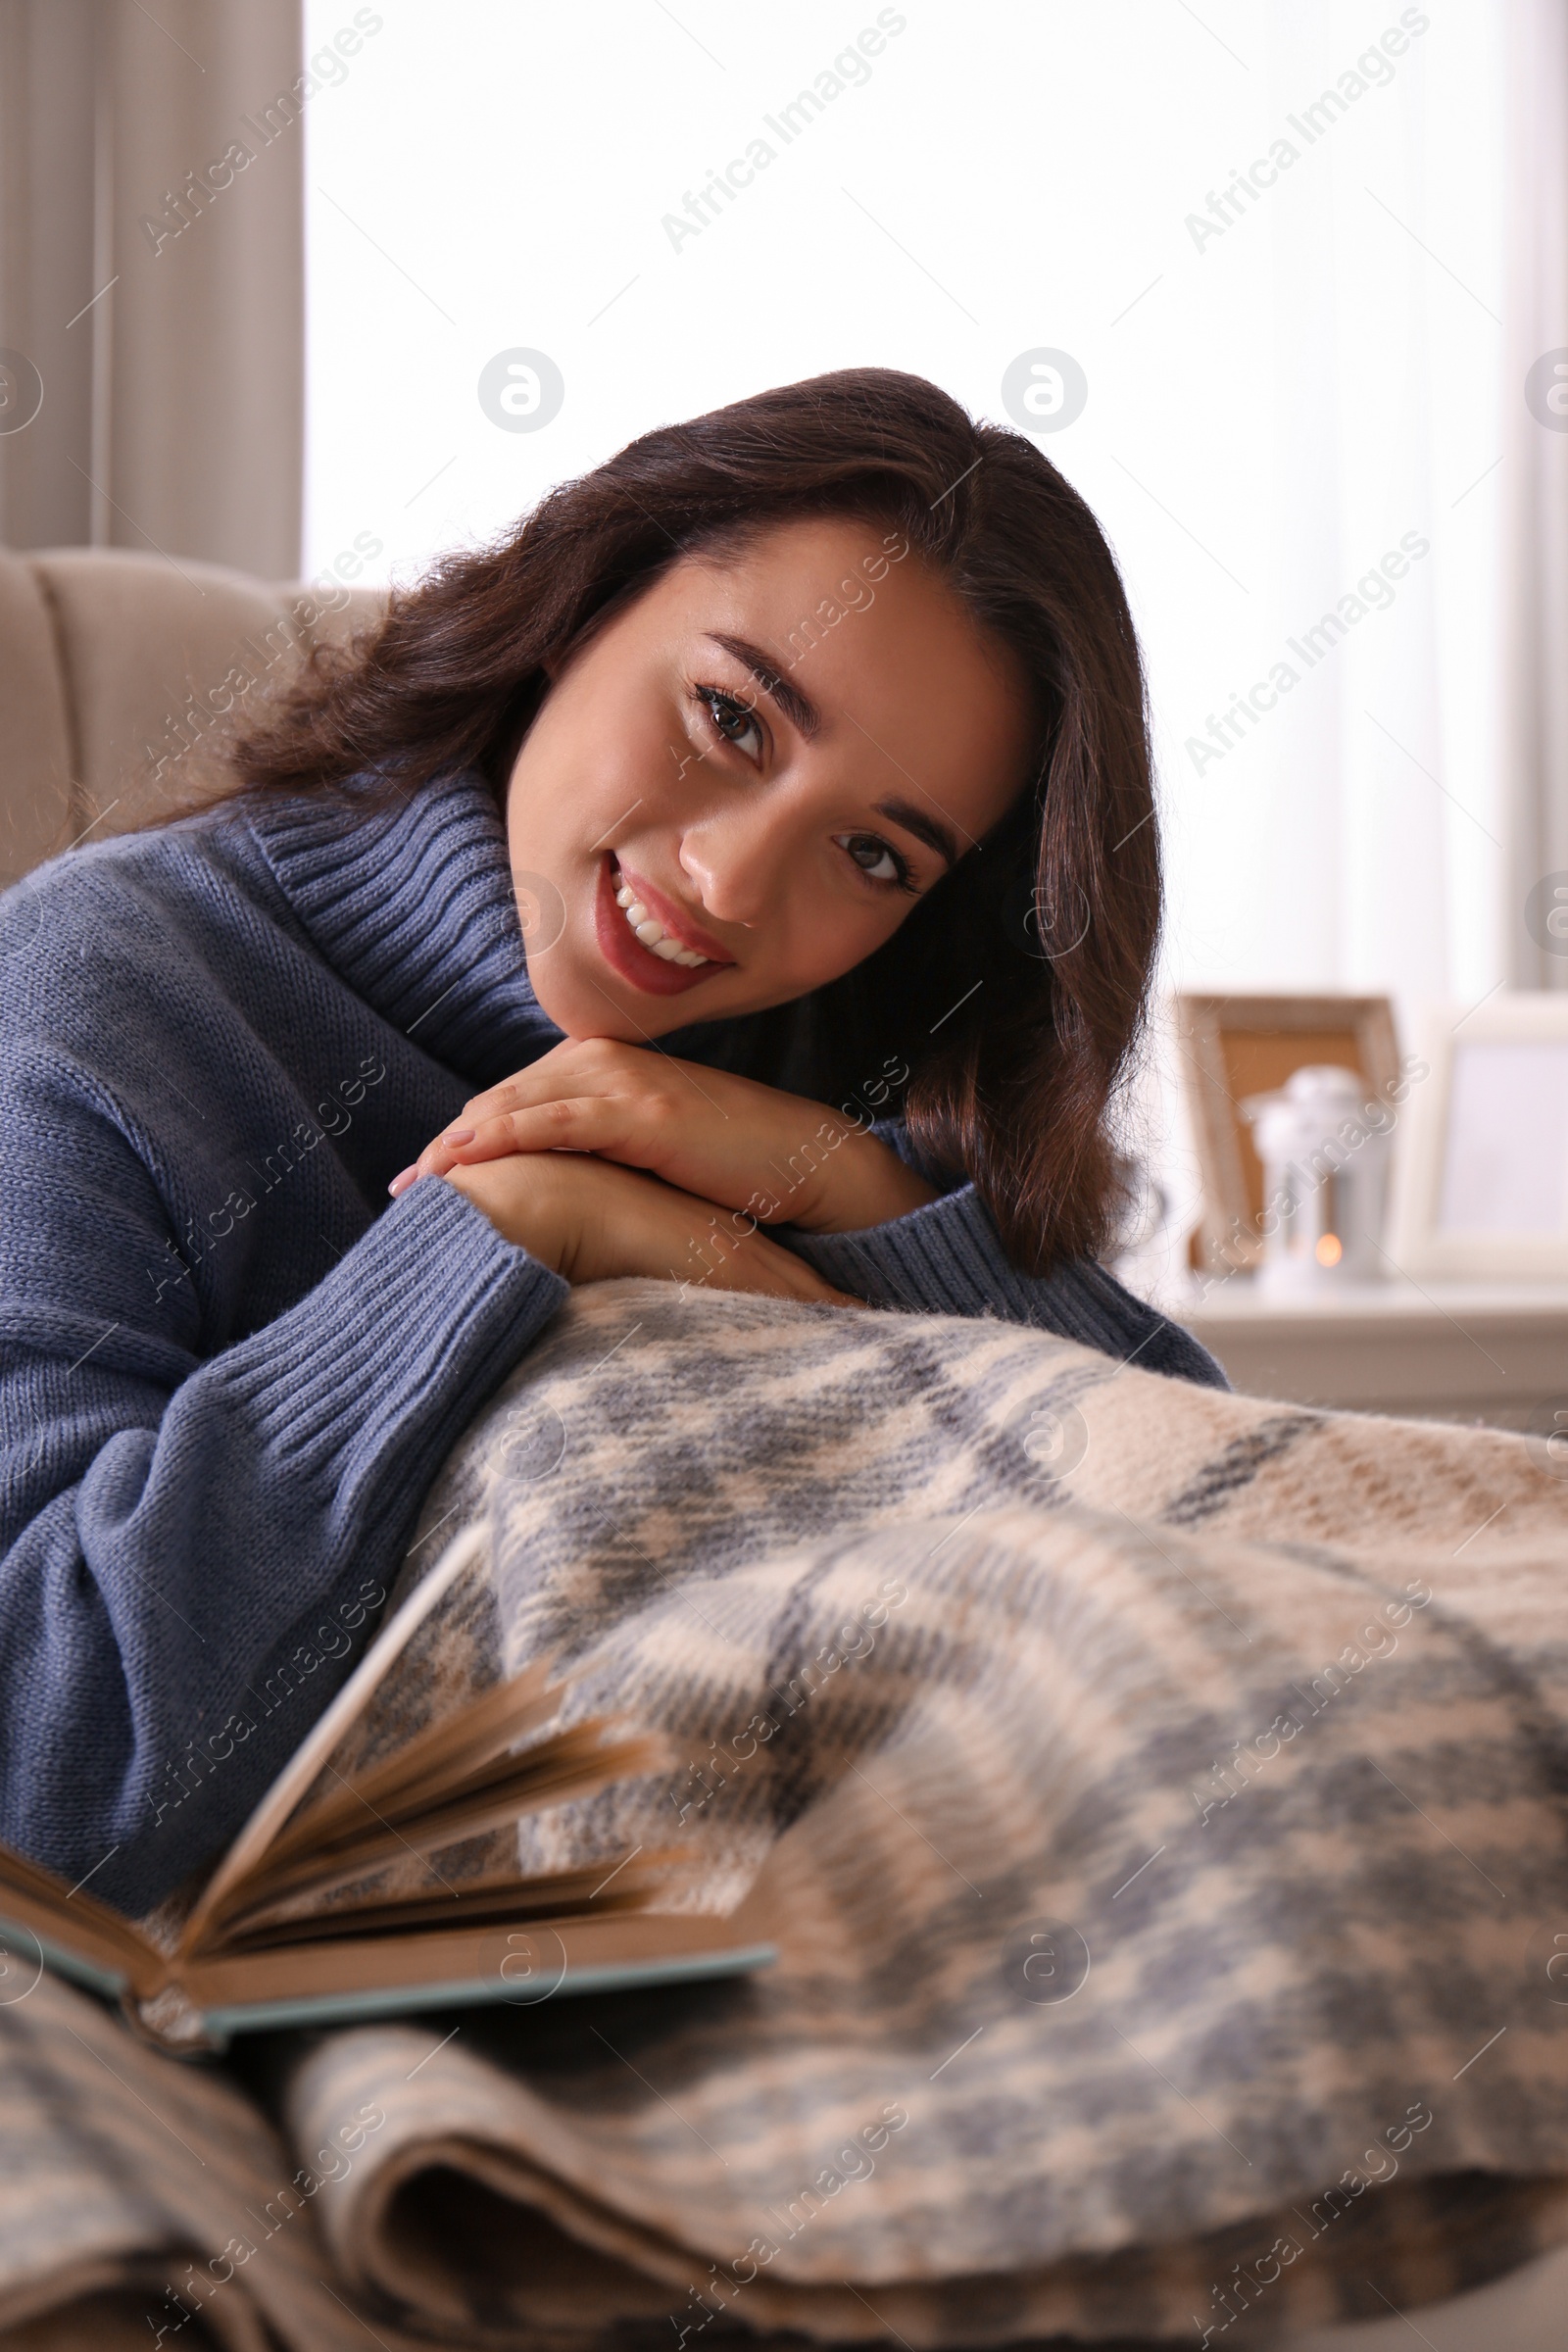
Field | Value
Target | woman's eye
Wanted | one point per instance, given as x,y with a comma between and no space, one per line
875,857
733,720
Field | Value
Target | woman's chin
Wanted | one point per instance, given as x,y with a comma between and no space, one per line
585,998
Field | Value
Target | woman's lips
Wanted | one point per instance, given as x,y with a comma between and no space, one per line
624,952
674,919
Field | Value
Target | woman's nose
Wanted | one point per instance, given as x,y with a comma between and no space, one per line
735,864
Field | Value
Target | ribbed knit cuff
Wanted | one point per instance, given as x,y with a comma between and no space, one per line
947,1258
295,1461
368,1381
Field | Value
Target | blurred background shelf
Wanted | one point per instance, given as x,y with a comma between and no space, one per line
1495,1352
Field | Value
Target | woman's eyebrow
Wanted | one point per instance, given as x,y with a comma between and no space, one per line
797,708
924,828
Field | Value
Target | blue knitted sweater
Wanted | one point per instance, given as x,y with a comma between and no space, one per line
229,1367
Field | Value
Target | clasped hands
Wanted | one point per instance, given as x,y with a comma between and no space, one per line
602,1158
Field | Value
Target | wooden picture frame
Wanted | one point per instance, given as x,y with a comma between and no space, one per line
1481,1187
1235,1047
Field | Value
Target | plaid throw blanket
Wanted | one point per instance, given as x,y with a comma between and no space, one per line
1159,1795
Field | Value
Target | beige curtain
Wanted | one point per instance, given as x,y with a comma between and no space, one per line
152,277
1536,475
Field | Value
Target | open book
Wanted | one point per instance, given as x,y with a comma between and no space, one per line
291,1927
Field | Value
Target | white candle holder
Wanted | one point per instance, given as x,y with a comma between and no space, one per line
1325,1150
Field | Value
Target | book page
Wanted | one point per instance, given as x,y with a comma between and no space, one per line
306,1765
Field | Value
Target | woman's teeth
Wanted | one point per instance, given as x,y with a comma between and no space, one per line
650,933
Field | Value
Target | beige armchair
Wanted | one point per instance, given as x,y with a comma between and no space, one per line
117,668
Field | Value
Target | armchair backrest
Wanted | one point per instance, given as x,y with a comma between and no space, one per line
115,667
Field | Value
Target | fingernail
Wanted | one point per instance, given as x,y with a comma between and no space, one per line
400,1184
459,1135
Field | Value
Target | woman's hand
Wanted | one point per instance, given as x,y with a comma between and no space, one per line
776,1156
591,1221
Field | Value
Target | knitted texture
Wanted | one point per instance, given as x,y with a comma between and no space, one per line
230,1368
948,1256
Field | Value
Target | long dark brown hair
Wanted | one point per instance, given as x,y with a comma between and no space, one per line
1014,990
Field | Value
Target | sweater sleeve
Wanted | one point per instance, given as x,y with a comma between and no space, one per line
190,1549
947,1258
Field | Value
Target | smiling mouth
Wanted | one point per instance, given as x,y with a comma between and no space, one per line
655,937
644,939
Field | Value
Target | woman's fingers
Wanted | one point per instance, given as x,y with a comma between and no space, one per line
718,1136
700,1131
573,1069
583,1123
751,1151
628,1222
513,1095
758,1265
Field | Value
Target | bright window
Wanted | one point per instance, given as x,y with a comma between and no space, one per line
1270,239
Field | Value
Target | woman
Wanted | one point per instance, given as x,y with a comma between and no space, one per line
599,907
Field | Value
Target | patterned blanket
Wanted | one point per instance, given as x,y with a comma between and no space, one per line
1159,1797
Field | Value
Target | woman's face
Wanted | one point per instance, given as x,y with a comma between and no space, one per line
738,788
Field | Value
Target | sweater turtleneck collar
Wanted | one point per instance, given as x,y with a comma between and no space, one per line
412,904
